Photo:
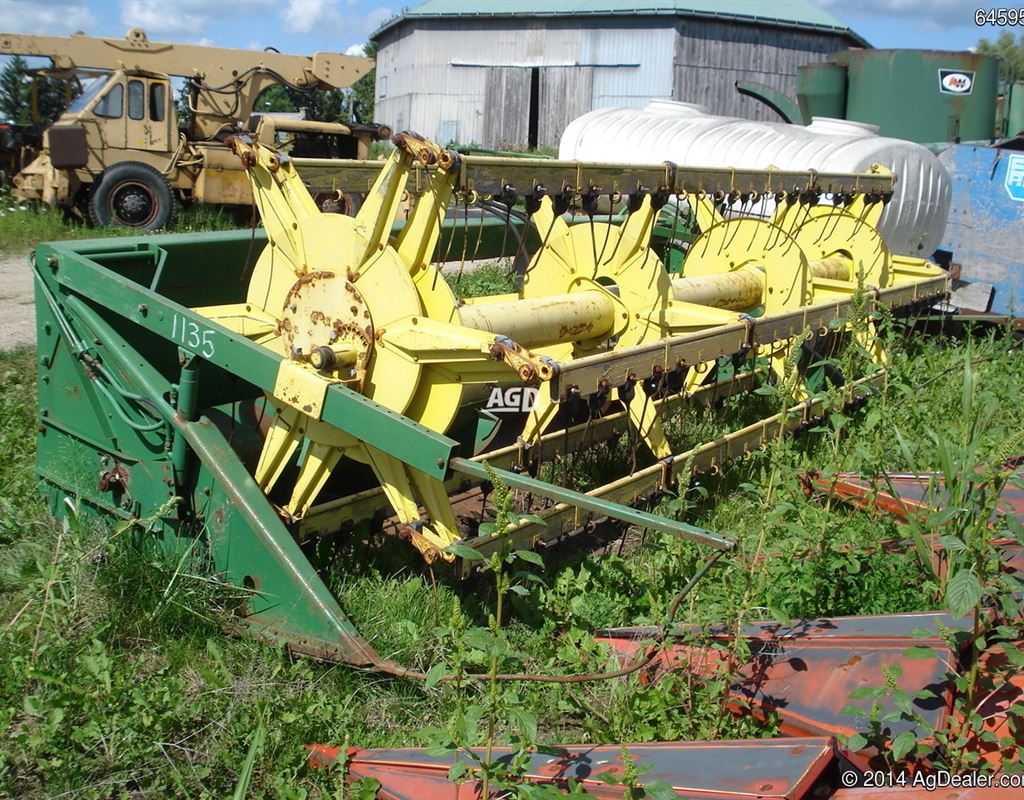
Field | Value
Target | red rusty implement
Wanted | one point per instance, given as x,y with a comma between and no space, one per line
805,671
904,494
786,769
761,769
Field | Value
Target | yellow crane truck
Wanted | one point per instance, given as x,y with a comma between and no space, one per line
117,155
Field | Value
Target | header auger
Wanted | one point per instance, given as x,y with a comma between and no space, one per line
333,380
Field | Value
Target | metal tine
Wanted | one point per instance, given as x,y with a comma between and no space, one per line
504,236
805,209
700,196
465,232
589,207
860,219
736,228
509,197
780,197
544,242
753,229
618,239
833,217
608,230
479,228
447,254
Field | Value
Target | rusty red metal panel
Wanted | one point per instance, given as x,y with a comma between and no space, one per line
1001,686
909,494
902,494
786,769
806,671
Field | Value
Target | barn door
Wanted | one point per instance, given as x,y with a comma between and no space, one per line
565,93
507,107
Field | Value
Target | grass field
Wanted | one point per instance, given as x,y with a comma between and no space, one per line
116,679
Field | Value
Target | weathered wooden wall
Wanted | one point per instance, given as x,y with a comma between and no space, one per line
711,57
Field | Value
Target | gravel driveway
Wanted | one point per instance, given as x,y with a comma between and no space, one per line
17,305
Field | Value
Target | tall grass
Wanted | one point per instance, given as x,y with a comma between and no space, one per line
24,225
117,679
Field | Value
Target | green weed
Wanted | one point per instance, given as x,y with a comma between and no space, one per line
484,280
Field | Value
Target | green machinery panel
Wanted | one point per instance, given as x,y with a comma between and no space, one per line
922,95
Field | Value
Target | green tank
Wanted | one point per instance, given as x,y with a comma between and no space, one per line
920,95
1015,111
821,91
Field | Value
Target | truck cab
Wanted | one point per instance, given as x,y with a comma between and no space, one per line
129,111
119,116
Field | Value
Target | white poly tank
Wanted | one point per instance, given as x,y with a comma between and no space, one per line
685,134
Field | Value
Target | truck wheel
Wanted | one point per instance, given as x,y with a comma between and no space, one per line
132,195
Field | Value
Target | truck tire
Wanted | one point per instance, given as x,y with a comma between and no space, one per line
132,195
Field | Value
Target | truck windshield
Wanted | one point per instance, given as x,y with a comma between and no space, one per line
89,91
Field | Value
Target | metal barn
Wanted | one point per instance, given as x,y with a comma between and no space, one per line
513,73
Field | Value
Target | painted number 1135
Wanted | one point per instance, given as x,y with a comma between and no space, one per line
193,336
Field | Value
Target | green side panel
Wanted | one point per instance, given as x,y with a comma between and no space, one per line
252,549
902,92
1015,111
821,91
117,438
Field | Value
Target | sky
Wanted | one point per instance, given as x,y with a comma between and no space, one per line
305,26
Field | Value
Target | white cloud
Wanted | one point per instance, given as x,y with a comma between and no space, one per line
187,19
302,16
54,17
356,50
163,17
323,16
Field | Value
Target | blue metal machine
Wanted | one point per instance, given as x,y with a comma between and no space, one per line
985,231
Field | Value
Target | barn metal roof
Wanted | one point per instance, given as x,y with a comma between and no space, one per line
788,13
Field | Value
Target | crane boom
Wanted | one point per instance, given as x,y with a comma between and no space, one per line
227,80
215,65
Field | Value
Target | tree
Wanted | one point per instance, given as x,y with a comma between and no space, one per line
52,95
274,98
327,106
183,105
1010,50
364,90
14,97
